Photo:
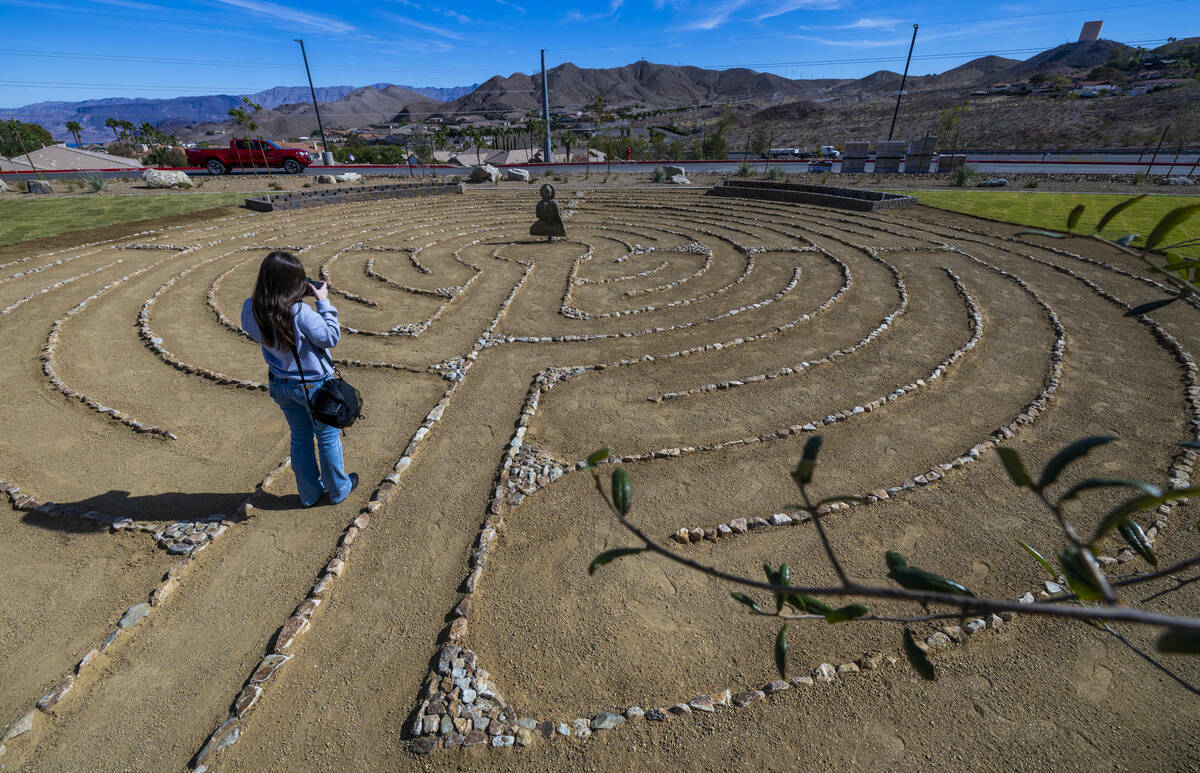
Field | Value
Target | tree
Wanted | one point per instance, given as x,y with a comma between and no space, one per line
19,138
566,138
760,141
244,117
1085,593
74,128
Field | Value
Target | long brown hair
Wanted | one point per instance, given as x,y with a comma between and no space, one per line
280,285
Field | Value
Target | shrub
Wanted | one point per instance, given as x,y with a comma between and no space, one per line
306,185
775,173
95,181
658,175
1031,184
961,176
744,170
275,186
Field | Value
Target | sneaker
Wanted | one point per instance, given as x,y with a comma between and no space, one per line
353,485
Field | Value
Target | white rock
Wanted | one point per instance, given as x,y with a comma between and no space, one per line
3,186
518,175
670,171
484,174
38,186
825,673
325,179
161,178
679,179
348,177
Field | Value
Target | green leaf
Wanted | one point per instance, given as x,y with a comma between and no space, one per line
598,456
608,556
1016,467
1131,530
1073,217
1076,450
1144,308
742,598
894,560
1137,504
1178,264
1036,232
781,648
808,461
621,491
772,575
918,658
848,612
1168,223
1179,641
1095,483
1083,573
1116,210
1041,559
782,577
805,603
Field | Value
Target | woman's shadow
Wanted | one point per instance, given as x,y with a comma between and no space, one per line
99,512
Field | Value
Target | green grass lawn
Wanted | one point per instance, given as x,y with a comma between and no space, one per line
1050,210
29,217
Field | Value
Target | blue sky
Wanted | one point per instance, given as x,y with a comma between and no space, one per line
83,49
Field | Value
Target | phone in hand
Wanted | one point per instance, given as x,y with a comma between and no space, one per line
315,283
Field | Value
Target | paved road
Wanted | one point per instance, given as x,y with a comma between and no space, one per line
989,162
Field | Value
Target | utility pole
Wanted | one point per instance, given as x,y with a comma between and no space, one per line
547,155
311,90
903,78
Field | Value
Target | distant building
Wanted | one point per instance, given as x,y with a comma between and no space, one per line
1090,31
58,158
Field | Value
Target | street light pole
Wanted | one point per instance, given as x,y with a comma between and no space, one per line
548,157
903,78
311,90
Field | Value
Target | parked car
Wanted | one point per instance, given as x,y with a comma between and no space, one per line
243,153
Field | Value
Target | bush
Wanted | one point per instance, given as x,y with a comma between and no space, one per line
961,176
744,170
658,175
275,186
775,173
1031,184
95,181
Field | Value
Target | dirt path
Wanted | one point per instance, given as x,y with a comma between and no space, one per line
701,339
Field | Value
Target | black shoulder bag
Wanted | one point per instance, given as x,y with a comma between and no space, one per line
335,403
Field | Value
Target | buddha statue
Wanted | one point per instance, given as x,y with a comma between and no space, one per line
549,219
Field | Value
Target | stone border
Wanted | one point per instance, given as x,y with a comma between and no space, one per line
318,198
820,195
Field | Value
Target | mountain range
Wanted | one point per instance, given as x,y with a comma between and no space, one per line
288,111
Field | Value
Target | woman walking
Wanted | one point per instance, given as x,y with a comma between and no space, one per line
293,336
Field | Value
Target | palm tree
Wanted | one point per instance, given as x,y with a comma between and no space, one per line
149,133
75,128
126,128
112,123
566,138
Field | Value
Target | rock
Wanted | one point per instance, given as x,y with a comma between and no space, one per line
847,668
802,681
425,745
680,709
634,712
160,594
161,178
871,661
702,703
994,622
484,174
779,519
325,179
3,186
1027,598
348,177
38,186
1179,181
246,700
294,628
1053,587
739,525
56,694
134,615
937,641
671,171
678,179
562,729
606,720
474,738
517,175
20,727
267,668
777,686
825,673
523,736
527,723
975,626
657,715
998,182
744,698
225,735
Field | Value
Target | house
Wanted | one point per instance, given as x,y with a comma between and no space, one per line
60,158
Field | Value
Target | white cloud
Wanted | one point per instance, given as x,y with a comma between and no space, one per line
713,16
291,15
799,5
436,30
871,24
576,16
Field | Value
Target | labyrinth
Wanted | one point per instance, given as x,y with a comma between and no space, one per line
170,606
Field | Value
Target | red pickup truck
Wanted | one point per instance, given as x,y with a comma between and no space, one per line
243,153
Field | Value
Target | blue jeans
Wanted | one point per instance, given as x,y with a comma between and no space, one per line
332,478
